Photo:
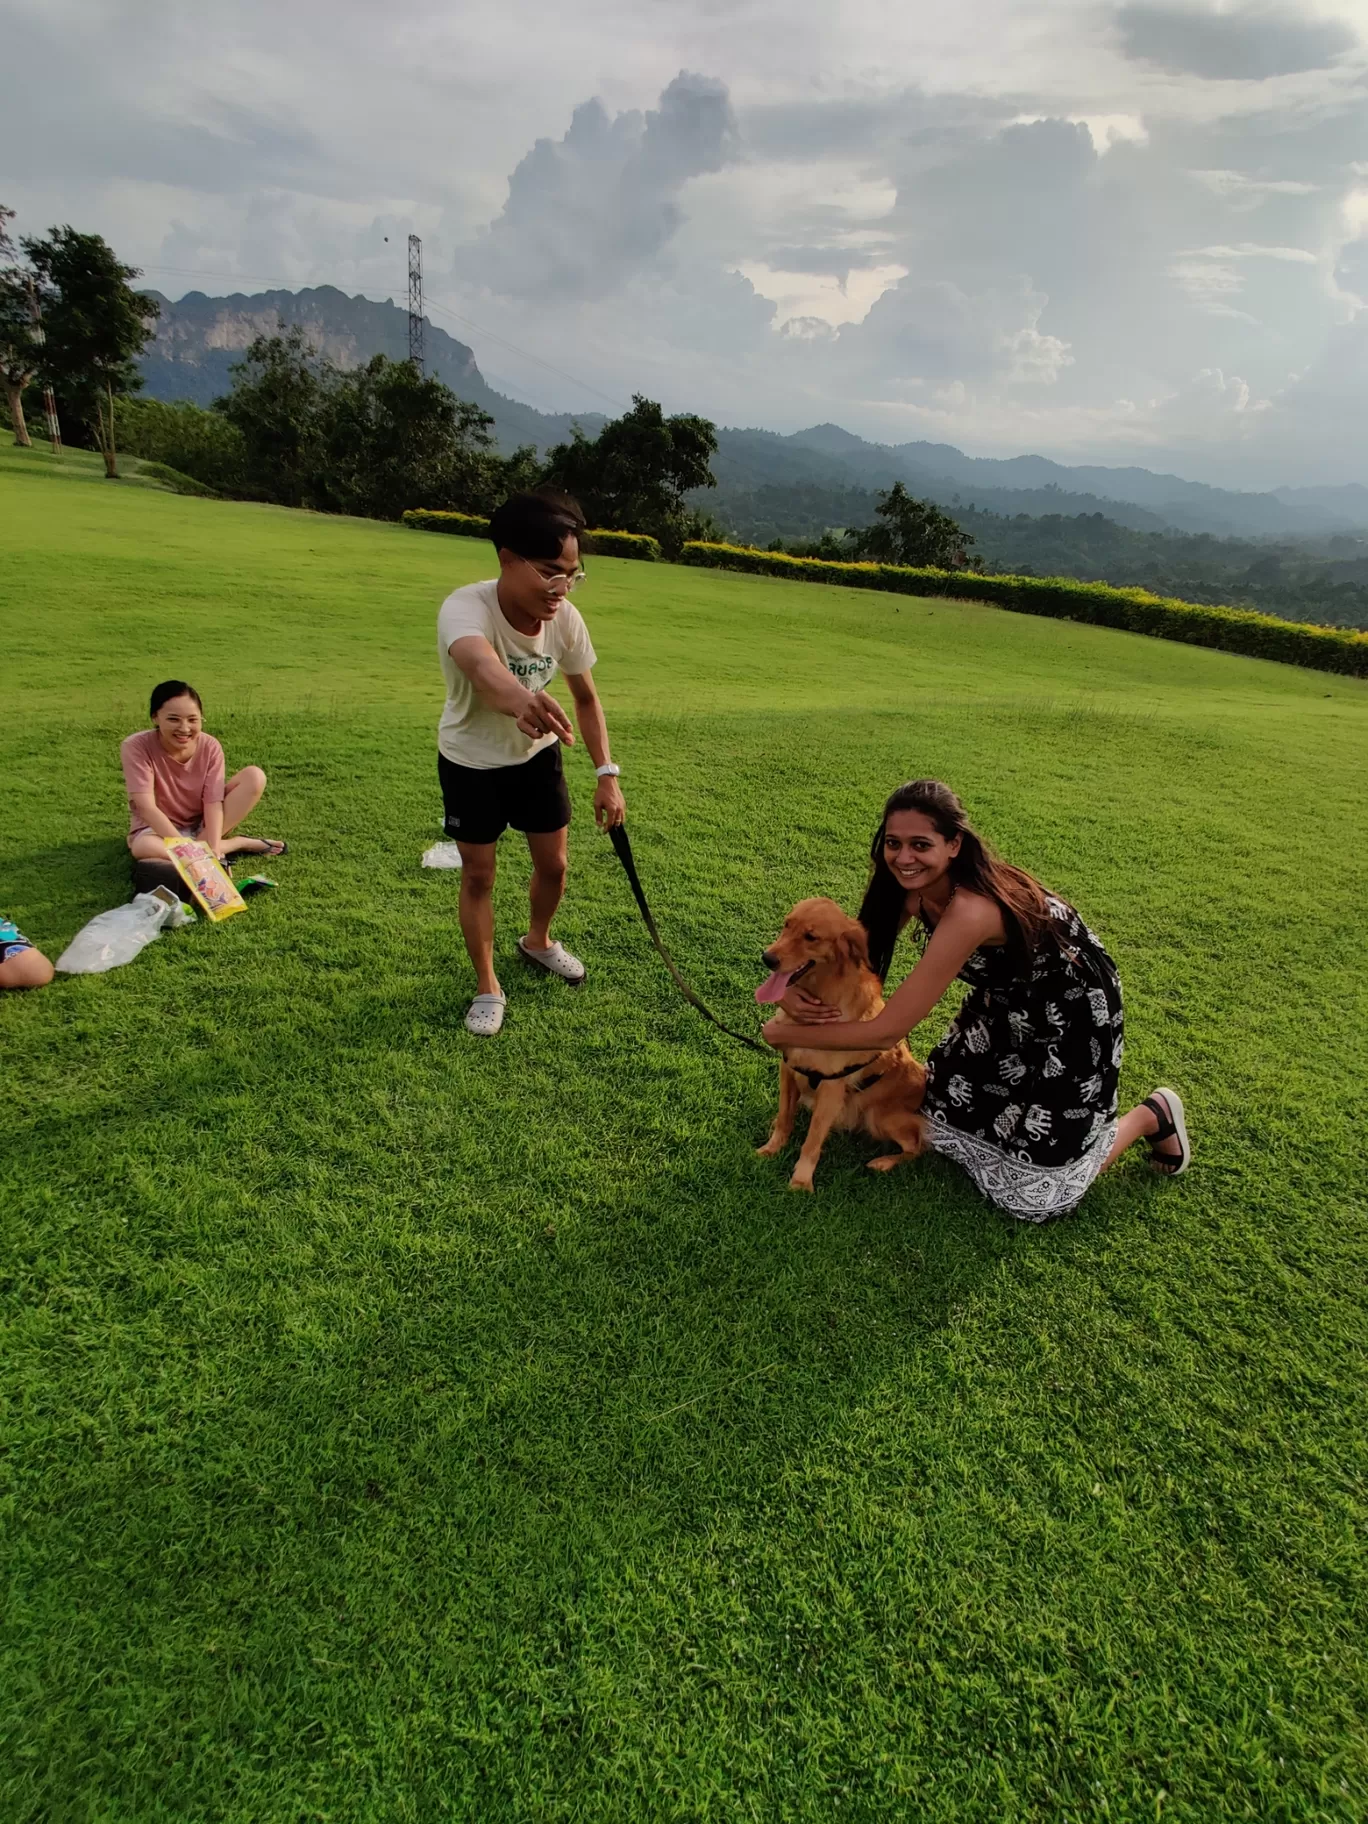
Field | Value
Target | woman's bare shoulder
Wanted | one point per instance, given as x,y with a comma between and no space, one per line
975,914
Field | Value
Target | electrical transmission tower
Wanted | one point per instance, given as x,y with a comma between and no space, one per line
416,302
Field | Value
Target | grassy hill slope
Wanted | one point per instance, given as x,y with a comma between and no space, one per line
398,1426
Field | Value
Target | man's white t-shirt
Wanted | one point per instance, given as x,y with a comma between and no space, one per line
472,734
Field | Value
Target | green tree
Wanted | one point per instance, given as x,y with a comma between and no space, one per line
634,475
199,443
18,350
279,405
913,532
95,326
372,441
394,439
831,547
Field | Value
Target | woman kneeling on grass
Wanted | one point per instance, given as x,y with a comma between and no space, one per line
1022,1089
176,785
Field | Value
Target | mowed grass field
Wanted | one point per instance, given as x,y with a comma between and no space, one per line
400,1426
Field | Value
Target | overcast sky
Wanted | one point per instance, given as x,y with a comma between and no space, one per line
1117,233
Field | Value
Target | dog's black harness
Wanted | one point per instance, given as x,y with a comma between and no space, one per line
815,1077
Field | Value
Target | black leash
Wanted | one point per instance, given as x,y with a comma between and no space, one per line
622,848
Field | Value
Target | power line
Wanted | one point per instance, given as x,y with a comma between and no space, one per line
503,341
429,303
227,278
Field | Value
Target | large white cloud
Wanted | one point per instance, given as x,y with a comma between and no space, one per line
1129,232
588,211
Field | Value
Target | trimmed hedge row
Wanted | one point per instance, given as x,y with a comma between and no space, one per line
464,525
602,544
623,544
1240,630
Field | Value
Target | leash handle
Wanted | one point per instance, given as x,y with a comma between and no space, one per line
622,848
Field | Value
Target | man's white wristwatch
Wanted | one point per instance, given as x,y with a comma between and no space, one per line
607,772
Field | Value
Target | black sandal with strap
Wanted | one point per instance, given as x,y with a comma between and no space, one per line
1172,1126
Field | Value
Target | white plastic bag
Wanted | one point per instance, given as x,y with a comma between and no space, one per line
116,937
442,855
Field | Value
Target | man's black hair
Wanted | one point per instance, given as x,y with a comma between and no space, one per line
536,524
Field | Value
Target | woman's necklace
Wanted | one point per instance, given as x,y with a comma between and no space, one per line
924,929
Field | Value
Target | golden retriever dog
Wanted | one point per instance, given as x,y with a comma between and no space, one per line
867,1091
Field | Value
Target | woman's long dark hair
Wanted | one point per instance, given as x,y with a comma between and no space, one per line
1019,896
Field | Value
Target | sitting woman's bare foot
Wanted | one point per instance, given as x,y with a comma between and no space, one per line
254,845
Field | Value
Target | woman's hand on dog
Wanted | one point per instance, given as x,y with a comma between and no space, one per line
807,1010
800,1009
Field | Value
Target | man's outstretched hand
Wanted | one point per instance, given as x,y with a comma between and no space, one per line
610,807
542,715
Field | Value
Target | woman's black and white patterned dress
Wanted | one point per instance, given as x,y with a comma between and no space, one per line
1021,1091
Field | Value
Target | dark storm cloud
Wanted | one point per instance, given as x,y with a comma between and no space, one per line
214,144
216,156
1249,45
1304,145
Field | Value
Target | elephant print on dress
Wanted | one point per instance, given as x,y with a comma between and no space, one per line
1029,1030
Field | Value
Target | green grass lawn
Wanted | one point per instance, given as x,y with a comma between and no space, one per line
399,1426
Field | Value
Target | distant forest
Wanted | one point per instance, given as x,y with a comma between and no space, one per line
317,404
1324,580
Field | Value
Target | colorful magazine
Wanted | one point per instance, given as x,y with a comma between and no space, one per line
205,876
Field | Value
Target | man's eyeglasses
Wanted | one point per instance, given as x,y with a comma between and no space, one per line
555,582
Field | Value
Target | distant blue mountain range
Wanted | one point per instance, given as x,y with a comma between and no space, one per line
198,339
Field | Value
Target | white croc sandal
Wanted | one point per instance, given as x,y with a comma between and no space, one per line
485,1015
556,961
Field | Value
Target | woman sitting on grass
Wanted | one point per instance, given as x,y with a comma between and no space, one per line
1022,1089
176,786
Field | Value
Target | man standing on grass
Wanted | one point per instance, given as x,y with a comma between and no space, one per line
499,740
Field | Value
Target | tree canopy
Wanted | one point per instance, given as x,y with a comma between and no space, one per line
915,532
905,531
372,441
277,406
95,326
18,348
633,476
393,439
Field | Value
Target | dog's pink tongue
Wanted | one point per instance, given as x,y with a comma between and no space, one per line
773,989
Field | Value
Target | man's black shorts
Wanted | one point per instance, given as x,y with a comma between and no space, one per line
482,802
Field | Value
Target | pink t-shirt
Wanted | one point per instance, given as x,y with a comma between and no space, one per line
182,791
